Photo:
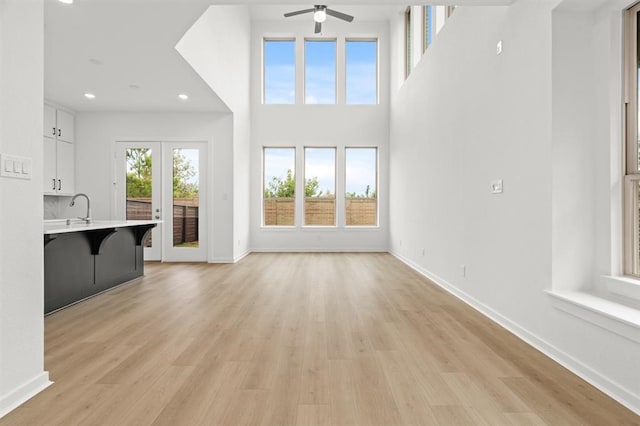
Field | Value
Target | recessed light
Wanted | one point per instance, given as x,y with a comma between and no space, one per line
66,1
89,96
183,96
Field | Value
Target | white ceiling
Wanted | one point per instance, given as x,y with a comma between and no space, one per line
123,50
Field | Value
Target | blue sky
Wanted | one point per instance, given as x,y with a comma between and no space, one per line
360,163
320,72
361,73
279,72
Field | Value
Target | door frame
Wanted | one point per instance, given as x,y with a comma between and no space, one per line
118,211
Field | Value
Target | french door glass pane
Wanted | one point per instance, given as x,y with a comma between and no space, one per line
320,186
186,186
279,186
361,203
139,186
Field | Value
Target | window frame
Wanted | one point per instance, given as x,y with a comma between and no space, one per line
631,226
377,169
408,43
427,11
335,68
263,76
295,179
346,83
335,187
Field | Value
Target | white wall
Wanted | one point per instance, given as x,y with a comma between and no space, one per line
544,117
319,125
217,47
21,248
95,133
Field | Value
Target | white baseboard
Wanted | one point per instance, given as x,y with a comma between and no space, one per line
318,250
241,256
24,392
609,387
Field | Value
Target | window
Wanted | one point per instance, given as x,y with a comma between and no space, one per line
632,163
279,186
361,186
361,71
320,71
320,186
279,73
427,26
408,45
450,10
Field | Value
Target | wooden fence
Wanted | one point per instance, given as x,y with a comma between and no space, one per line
185,217
320,211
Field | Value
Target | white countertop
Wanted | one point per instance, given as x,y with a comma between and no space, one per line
59,226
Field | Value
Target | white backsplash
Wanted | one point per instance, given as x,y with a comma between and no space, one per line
51,209
56,207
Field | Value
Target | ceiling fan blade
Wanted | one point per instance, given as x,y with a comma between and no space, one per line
298,12
318,28
339,15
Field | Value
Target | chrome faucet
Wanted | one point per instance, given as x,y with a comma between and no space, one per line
73,202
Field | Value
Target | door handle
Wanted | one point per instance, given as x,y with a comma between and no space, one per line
59,184
59,132
54,131
54,184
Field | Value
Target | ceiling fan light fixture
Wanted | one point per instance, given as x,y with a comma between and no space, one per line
320,15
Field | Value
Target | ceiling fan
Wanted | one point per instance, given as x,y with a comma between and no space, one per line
320,13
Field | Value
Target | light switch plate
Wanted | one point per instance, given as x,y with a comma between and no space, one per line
496,186
14,166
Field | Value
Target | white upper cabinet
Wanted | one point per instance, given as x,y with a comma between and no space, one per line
65,122
58,152
50,129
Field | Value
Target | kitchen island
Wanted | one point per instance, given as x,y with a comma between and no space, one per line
82,260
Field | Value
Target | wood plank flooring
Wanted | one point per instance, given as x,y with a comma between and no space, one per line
297,339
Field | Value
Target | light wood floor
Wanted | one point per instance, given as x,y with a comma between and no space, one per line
284,339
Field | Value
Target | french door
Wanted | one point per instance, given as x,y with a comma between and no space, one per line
165,181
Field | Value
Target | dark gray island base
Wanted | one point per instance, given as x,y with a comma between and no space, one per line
84,262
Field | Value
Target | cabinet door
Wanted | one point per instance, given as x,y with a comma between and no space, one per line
49,182
66,129
65,168
49,127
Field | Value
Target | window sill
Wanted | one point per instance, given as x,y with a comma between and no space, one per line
318,228
623,286
278,228
363,228
615,317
